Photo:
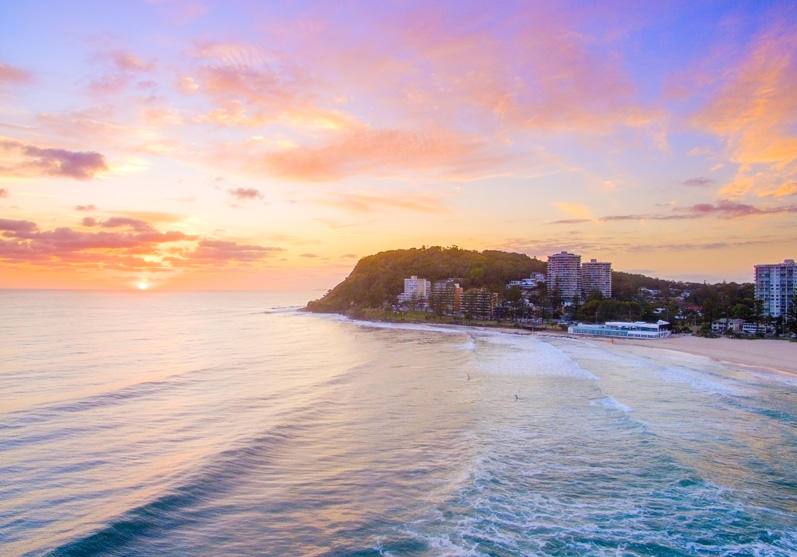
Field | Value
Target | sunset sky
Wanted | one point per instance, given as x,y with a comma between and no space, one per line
231,145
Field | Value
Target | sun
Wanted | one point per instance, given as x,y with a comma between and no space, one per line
142,285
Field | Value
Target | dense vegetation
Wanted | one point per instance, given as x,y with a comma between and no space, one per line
378,279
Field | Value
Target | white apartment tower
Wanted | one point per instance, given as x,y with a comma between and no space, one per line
596,276
775,286
415,289
564,275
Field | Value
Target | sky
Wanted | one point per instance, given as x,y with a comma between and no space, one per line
190,144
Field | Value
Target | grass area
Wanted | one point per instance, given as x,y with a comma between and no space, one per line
373,314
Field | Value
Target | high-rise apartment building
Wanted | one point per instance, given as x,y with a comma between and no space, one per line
596,276
564,275
775,286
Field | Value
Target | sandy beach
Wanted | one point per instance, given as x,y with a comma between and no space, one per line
777,356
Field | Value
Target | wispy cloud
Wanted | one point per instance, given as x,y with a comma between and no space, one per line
221,252
579,211
130,63
731,210
698,182
13,75
723,209
755,113
381,153
245,193
367,203
570,221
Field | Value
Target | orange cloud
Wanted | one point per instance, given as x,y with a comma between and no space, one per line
576,210
755,113
122,243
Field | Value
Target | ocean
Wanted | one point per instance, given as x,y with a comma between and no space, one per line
230,423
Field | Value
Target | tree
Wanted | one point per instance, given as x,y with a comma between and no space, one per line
791,315
514,298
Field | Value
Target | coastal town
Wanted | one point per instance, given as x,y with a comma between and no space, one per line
573,295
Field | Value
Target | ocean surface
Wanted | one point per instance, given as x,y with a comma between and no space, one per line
150,423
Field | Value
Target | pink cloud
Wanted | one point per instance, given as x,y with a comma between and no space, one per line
245,193
130,63
35,160
730,209
11,74
109,84
220,252
380,152
451,68
121,248
13,227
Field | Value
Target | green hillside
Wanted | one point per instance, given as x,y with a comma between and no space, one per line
379,278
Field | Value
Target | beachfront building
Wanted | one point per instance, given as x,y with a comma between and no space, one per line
416,290
622,329
530,283
725,325
775,286
446,297
479,303
564,275
596,277
741,327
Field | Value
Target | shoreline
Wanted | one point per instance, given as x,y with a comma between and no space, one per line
765,355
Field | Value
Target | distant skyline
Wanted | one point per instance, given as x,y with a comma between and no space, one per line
184,144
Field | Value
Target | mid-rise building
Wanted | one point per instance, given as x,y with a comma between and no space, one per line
446,297
775,286
479,303
596,276
723,325
415,290
564,275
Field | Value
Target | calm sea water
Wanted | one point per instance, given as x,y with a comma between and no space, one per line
232,424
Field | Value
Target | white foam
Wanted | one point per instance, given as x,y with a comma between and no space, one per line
526,355
452,330
699,380
611,404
